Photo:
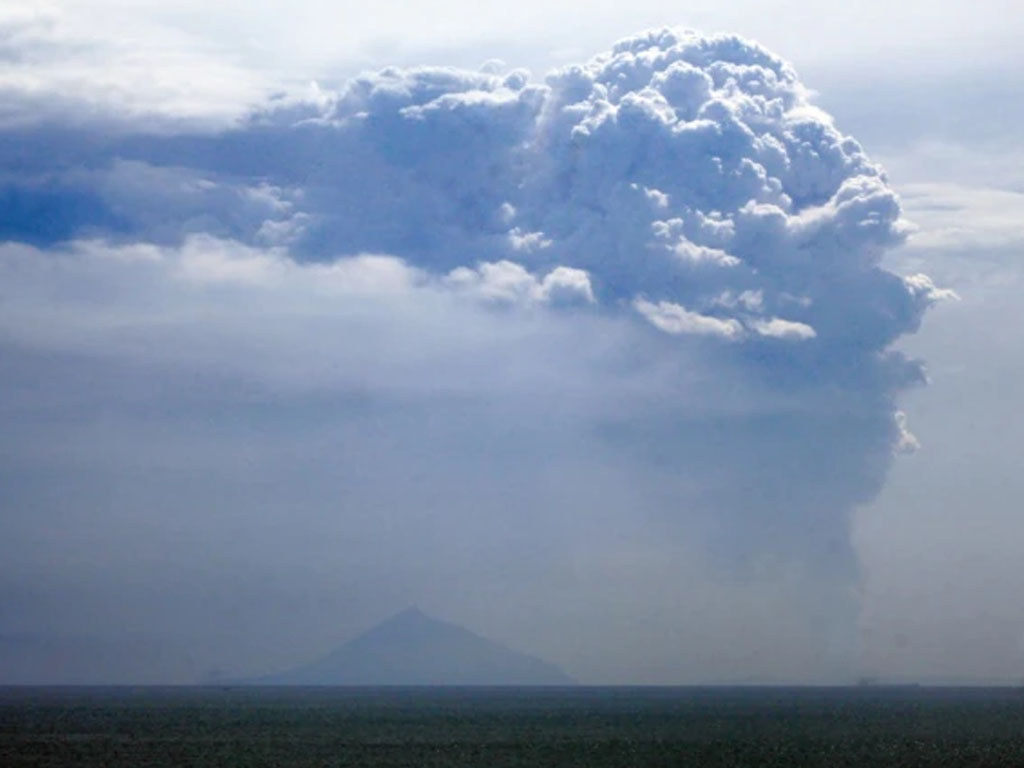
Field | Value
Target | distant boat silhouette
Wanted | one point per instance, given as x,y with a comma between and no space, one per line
411,648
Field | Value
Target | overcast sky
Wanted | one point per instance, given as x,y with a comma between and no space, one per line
668,356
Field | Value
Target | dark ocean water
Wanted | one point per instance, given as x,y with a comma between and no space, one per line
151,726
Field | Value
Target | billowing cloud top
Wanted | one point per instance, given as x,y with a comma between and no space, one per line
686,178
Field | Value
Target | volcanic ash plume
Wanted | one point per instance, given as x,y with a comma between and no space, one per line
620,340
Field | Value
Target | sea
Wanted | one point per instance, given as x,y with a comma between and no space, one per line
865,725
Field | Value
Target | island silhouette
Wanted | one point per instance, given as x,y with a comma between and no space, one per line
412,648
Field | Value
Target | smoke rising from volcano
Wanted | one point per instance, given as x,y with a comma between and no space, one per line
611,349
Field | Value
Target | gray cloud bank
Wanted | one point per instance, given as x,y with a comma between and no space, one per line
599,366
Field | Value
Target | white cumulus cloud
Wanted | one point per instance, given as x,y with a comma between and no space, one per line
676,319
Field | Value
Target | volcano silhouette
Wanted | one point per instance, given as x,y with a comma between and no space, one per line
412,648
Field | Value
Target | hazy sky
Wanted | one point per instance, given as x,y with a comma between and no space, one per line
697,361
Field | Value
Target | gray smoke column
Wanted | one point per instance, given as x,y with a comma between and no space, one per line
612,351
685,180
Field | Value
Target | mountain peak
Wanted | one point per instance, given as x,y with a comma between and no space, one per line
412,648
412,613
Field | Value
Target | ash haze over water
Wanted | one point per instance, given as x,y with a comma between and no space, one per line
600,363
